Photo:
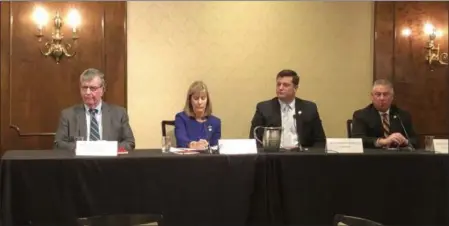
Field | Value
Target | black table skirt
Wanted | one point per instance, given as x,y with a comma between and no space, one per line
391,189
54,188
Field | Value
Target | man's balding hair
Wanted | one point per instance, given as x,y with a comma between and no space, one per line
383,82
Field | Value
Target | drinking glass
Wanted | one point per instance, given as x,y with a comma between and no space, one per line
78,139
166,144
428,143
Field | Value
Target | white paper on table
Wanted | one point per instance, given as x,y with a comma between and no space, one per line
185,151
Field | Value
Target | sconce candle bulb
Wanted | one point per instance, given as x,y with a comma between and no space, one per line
429,29
406,32
74,20
40,17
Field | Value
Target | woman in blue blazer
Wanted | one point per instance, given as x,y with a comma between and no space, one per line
196,127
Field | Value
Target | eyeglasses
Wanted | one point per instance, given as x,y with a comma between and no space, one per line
378,95
92,88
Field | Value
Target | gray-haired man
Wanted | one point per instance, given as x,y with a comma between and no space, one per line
95,119
382,124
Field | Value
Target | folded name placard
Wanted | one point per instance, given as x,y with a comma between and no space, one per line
96,148
440,146
344,145
237,146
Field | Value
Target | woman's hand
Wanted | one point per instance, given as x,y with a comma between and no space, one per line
201,144
204,143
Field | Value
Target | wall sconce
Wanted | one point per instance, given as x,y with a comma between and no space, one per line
56,47
433,55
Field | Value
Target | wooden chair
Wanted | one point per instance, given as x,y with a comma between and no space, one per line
349,128
166,123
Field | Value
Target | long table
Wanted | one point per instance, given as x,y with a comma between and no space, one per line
48,187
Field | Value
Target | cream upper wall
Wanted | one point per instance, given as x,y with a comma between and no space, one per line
237,48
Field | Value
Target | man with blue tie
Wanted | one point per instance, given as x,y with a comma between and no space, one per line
94,120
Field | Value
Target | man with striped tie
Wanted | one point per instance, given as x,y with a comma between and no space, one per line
95,119
382,124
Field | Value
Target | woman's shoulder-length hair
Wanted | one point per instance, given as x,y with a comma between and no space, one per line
197,87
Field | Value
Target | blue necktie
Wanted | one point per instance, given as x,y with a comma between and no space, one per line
94,131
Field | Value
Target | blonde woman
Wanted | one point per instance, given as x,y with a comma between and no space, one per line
196,127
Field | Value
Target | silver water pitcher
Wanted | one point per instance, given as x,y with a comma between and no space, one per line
271,139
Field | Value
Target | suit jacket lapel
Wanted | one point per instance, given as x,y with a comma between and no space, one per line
106,121
81,121
378,121
395,126
277,112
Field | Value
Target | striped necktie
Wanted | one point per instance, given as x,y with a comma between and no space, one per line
94,131
386,124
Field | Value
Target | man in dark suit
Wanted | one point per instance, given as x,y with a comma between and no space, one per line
296,116
95,119
379,124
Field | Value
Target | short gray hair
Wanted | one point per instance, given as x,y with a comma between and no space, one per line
383,82
90,74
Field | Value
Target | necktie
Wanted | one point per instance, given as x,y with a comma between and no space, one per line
94,131
386,124
287,123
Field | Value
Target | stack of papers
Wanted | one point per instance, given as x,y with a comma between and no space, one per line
185,151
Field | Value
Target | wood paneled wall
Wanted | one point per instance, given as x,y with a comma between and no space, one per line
422,92
34,89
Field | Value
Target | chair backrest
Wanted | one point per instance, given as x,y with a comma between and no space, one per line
121,220
349,127
166,123
344,220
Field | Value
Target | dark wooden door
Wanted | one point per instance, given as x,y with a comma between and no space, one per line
424,93
34,89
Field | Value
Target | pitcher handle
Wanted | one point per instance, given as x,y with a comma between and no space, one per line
255,134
